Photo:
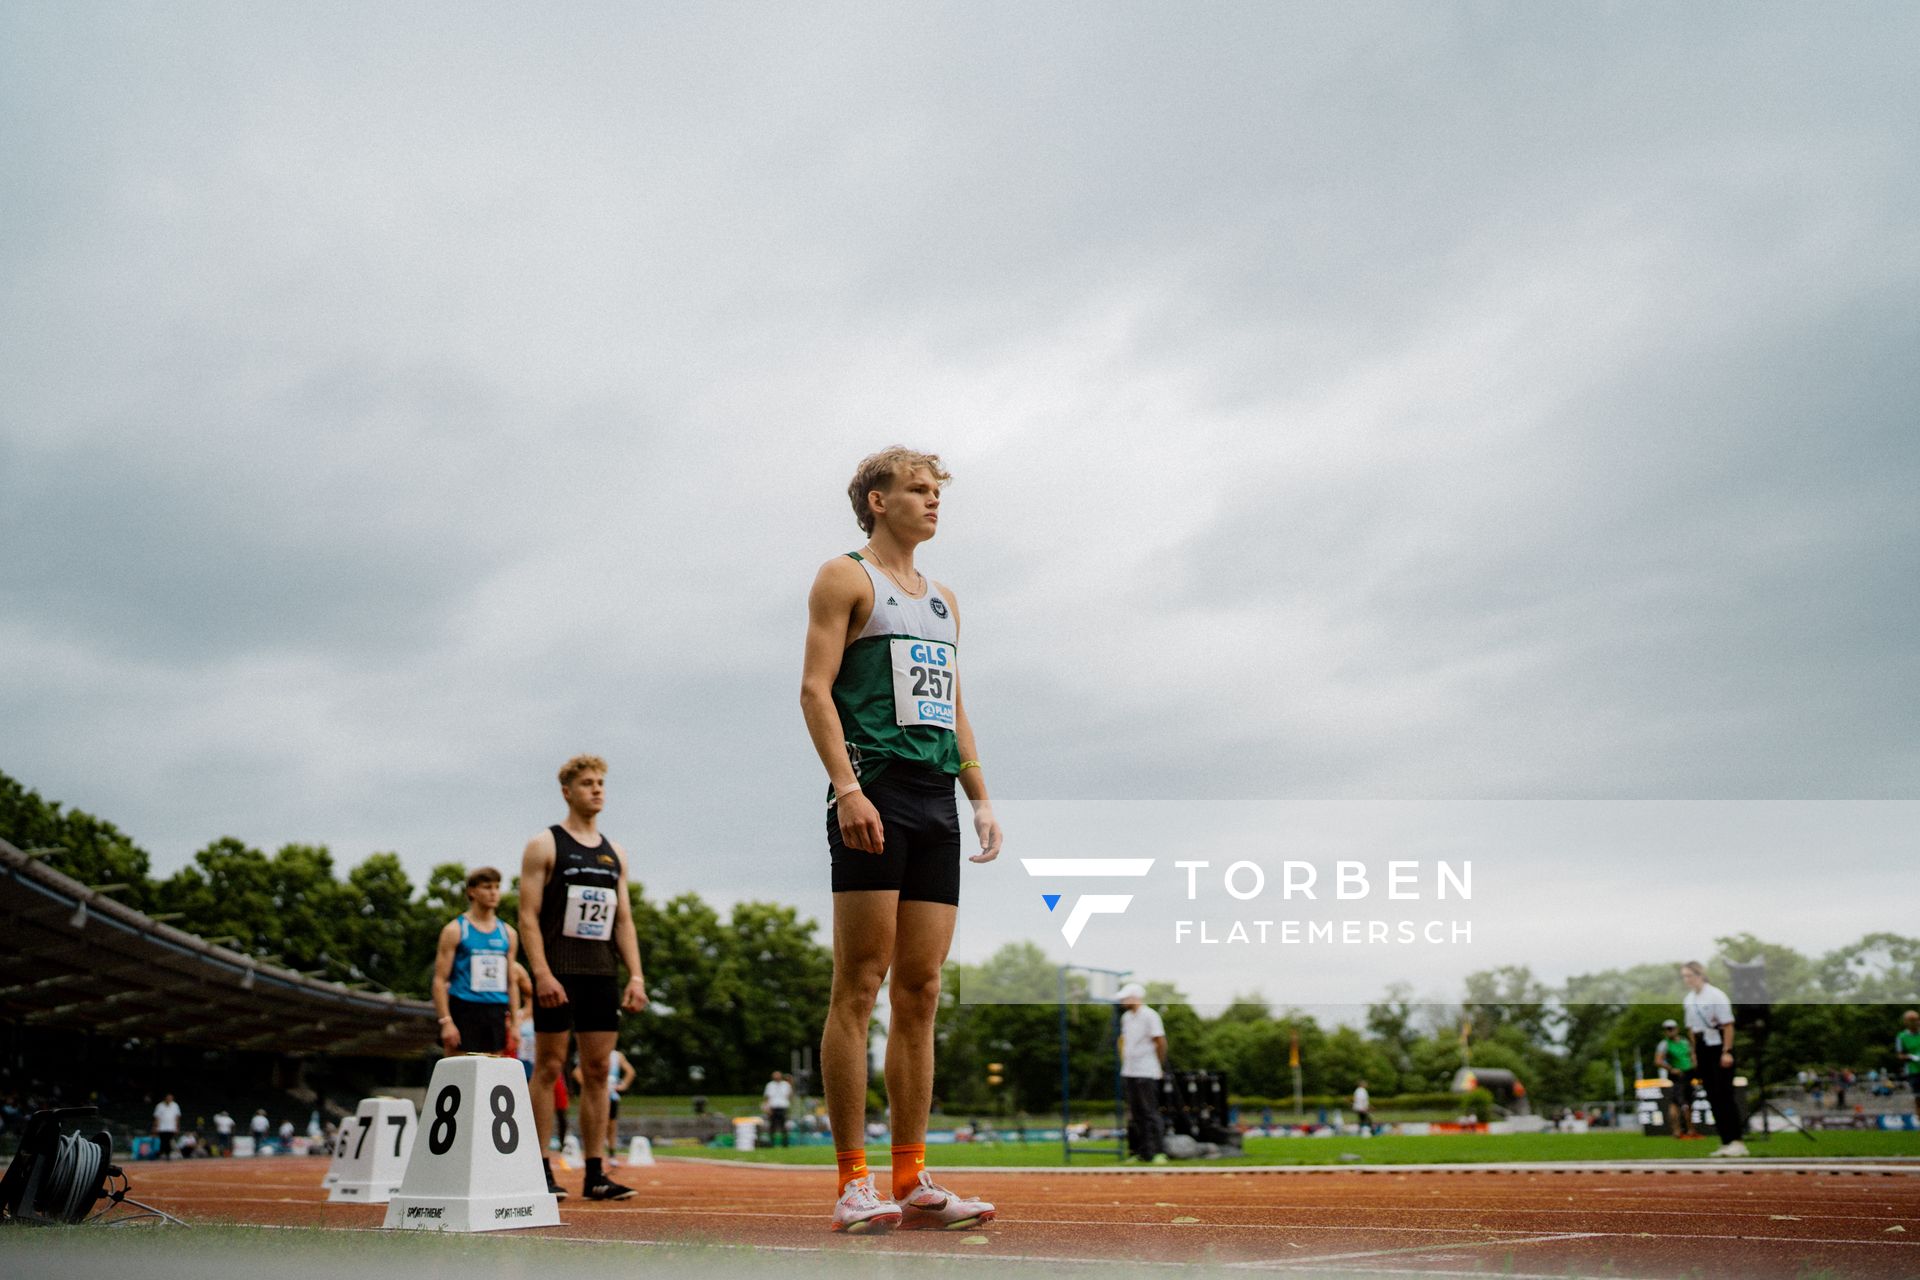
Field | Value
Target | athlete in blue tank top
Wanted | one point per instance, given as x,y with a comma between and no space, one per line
473,987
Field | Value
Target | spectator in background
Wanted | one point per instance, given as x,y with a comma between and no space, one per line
1907,1045
520,1043
222,1133
1143,1058
775,1099
166,1125
259,1126
620,1075
1674,1056
286,1135
1363,1107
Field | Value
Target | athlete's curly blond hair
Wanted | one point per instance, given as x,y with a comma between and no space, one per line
880,470
579,765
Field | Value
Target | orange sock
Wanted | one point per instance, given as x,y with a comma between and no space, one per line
908,1162
853,1164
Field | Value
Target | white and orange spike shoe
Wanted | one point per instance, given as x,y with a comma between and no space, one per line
861,1211
931,1207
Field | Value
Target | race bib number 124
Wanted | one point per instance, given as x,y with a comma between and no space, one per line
589,913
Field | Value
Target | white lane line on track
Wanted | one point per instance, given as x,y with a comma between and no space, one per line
832,1245
1003,1259
1500,1236
1752,1207
1837,1166
805,1207
1348,1273
1320,1259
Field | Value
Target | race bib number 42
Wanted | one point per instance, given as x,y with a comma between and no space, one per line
488,974
926,674
589,913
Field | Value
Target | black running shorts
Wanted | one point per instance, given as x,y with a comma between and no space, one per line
482,1027
920,821
593,1004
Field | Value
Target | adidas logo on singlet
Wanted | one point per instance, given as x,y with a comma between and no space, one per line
893,602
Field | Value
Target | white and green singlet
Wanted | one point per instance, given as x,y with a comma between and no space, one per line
899,680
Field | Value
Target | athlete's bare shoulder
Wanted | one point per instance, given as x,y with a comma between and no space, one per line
541,847
620,852
953,600
841,575
841,596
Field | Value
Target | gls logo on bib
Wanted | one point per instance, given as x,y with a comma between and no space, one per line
925,679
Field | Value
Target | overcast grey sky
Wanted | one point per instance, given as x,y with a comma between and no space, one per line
1360,403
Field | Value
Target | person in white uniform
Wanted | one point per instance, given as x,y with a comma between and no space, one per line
1709,1017
1143,1060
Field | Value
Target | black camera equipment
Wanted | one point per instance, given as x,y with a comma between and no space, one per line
1753,1015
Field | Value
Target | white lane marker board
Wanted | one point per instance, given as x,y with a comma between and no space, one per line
476,1165
371,1150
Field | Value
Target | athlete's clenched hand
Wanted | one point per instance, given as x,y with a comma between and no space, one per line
634,998
860,823
548,991
987,827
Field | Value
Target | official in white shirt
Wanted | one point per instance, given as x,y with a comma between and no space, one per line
775,1100
166,1125
1709,1017
1143,1057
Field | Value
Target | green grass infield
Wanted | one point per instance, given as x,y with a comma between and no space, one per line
1463,1148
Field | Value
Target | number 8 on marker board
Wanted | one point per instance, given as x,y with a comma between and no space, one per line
476,1163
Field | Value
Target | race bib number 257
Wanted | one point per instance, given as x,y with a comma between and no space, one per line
926,675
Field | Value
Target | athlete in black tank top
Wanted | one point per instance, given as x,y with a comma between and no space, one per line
577,930
589,867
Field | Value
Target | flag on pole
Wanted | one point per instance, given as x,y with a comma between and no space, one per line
1619,1081
1293,1049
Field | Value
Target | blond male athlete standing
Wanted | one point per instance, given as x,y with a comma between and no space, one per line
881,695
576,926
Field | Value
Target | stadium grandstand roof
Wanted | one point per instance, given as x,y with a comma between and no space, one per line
75,959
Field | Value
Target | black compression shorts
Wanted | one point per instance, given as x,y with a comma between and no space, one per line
920,822
593,1004
482,1027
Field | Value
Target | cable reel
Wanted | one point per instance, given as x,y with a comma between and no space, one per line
58,1177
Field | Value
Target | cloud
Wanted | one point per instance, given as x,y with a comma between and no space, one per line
1385,404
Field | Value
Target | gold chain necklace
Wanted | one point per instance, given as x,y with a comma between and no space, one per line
915,591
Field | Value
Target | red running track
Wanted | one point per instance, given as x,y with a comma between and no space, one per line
1839,1221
